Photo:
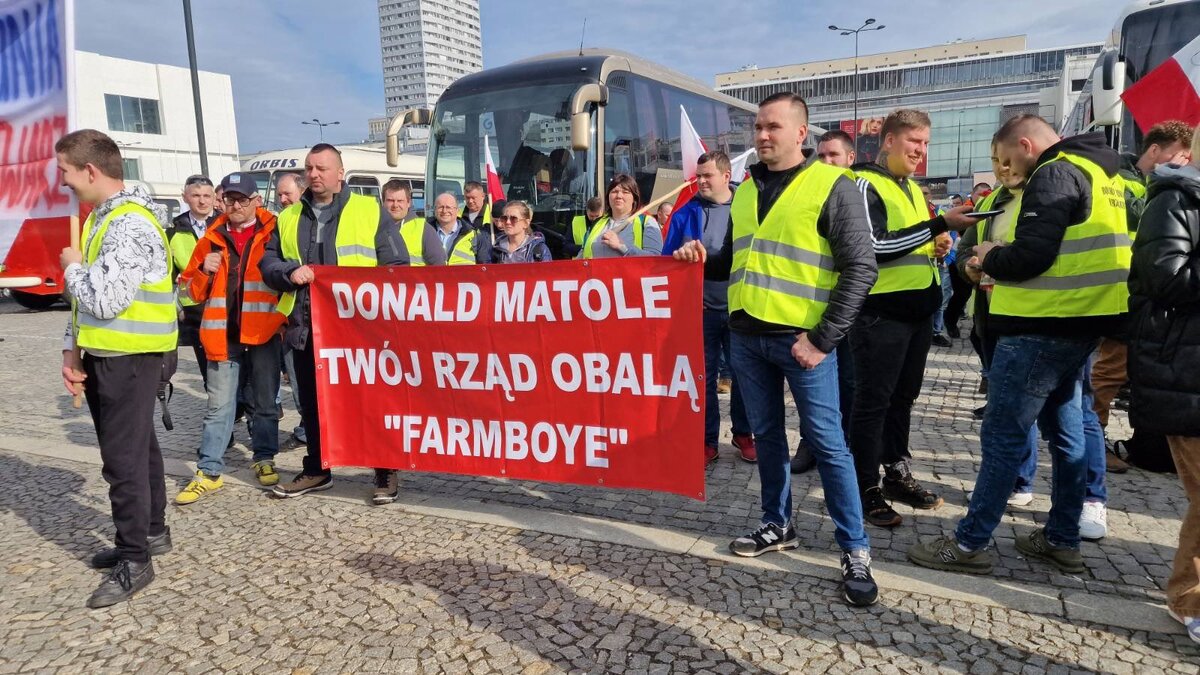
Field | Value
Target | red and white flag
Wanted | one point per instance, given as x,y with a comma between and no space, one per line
691,146
1169,92
738,171
495,189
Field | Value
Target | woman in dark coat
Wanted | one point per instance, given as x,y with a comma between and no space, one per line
1164,354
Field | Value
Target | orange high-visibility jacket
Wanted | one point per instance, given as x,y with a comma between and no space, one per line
259,319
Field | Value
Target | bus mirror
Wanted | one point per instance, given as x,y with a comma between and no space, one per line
1108,83
581,120
417,116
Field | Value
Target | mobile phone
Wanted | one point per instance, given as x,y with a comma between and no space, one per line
983,214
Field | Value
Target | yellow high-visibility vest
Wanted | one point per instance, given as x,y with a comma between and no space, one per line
1089,275
783,269
638,225
149,324
905,207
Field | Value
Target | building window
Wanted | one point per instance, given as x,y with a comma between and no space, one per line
135,115
133,171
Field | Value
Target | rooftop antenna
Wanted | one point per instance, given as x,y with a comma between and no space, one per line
582,33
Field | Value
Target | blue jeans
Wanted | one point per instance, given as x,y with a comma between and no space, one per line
1093,438
289,365
716,344
939,317
1034,379
262,362
763,363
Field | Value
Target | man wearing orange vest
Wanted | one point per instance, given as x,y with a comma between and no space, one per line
240,329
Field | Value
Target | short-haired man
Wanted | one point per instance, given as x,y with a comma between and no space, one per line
475,211
123,321
290,187
1165,143
581,225
462,244
186,229
836,148
330,225
893,332
240,332
978,192
800,262
705,218
424,247
1060,285
663,213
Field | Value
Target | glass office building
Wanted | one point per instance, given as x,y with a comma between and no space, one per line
968,88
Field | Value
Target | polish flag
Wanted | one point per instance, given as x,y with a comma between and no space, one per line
495,190
1169,92
738,173
691,146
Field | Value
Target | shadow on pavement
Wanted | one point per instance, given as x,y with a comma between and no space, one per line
59,511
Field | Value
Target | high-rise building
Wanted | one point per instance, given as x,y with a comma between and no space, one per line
426,45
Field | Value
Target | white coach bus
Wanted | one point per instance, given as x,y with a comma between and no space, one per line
366,171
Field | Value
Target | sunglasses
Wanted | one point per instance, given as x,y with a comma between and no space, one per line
197,180
509,219
239,200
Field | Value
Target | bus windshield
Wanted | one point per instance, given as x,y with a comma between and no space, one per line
528,131
1148,39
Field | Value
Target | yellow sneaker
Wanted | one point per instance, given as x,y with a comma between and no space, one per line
265,470
200,486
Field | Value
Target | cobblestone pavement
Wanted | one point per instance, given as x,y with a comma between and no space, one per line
1133,561
320,585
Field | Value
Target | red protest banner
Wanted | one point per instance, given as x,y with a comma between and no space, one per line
587,372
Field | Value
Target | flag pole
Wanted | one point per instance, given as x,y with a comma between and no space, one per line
77,399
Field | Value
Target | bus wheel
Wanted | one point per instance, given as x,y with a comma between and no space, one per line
34,301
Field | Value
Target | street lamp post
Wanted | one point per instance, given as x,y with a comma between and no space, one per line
867,26
320,125
191,45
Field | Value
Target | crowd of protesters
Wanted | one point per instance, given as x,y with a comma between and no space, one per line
830,276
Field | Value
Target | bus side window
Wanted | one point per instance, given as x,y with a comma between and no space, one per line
364,185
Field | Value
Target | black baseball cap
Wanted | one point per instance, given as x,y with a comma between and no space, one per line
241,183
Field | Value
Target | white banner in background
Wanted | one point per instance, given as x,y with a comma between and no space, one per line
36,49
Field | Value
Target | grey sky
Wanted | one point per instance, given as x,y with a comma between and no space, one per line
301,59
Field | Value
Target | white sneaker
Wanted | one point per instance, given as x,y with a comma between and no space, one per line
1191,623
1015,499
1093,522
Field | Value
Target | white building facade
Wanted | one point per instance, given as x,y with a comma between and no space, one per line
147,109
426,45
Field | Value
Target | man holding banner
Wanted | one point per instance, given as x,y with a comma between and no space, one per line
330,226
807,223
124,320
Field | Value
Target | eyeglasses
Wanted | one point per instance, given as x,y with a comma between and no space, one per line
239,200
509,219
197,180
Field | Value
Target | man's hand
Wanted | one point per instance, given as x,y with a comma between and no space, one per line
693,251
302,275
612,240
973,270
806,354
941,245
956,220
212,262
69,256
1181,158
72,371
981,250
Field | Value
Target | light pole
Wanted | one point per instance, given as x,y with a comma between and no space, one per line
867,26
191,45
320,125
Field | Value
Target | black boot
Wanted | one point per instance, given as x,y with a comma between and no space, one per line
125,579
159,544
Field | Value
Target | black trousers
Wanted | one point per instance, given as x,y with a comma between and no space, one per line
958,298
120,392
306,382
889,367
189,335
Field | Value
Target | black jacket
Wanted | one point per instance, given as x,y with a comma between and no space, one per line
915,305
182,224
843,223
968,241
1057,196
389,250
1164,287
481,246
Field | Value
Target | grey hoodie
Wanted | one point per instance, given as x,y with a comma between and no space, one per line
133,251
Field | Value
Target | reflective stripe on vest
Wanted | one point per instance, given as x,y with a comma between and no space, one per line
579,229
182,244
413,233
463,252
148,325
1088,277
485,219
783,269
356,229
638,224
905,207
